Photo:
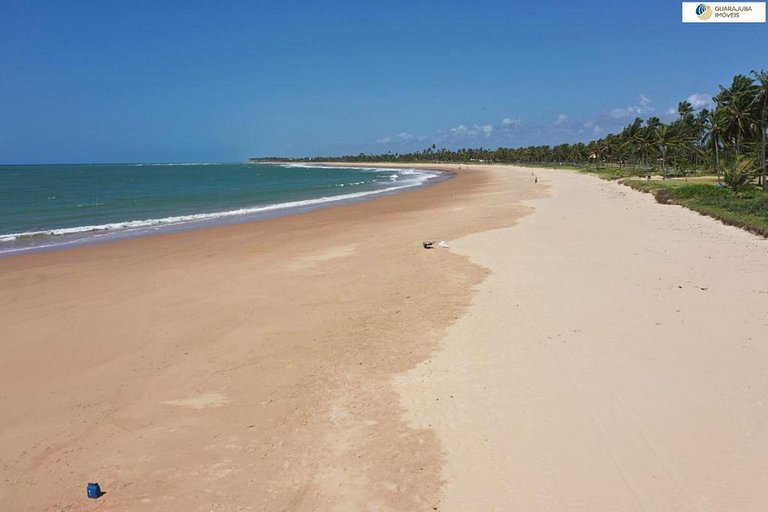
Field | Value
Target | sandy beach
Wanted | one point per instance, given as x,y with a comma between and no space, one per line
244,367
578,347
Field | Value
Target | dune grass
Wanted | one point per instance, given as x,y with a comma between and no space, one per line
748,209
615,173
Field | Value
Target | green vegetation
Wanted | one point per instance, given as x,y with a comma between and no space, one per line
738,175
747,209
617,173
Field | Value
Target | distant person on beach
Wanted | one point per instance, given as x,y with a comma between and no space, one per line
536,179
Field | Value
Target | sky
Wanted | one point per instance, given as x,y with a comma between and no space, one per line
194,81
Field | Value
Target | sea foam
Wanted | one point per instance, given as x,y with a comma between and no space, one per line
400,179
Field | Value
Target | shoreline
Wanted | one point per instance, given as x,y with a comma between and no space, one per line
240,365
66,238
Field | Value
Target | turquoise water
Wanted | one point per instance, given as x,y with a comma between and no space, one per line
52,206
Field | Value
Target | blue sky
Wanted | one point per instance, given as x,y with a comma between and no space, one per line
172,81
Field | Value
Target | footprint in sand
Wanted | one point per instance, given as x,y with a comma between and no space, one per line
200,401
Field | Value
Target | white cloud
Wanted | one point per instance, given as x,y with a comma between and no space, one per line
461,131
622,113
400,137
593,126
610,121
700,100
511,130
510,126
618,113
697,100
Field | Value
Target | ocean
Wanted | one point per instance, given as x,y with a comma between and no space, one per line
45,207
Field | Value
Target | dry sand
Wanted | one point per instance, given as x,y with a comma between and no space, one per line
605,353
615,360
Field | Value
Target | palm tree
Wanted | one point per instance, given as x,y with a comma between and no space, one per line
714,129
685,109
687,129
633,139
739,173
700,134
738,104
607,147
667,137
762,82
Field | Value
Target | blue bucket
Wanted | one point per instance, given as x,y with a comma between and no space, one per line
94,491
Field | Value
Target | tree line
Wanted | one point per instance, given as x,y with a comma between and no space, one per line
729,138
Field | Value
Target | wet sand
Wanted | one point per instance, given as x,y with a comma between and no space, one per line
244,367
